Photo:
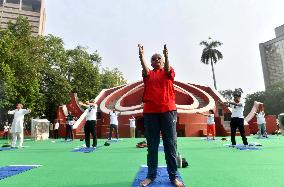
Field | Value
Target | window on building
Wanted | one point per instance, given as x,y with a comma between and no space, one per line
31,5
13,1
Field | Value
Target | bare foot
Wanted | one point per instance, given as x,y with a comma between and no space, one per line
146,182
177,183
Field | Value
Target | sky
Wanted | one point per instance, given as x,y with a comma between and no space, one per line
115,27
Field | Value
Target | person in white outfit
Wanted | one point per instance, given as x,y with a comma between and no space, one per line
132,127
17,128
56,127
91,121
261,123
113,115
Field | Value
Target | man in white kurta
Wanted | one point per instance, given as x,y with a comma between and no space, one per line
132,127
17,128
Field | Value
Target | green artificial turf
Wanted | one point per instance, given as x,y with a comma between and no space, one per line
210,164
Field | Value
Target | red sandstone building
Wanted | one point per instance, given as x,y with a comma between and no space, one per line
127,99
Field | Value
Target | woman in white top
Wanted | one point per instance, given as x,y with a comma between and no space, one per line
17,128
261,123
210,124
113,115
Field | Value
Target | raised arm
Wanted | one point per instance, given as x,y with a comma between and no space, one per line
142,60
84,104
202,114
227,104
235,104
11,112
27,111
167,64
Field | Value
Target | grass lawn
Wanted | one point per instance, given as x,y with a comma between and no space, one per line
210,164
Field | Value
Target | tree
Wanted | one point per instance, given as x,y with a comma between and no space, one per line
40,73
111,78
251,98
211,53
21,59
229,94
83,74
272,98
7,77
7,85
54,84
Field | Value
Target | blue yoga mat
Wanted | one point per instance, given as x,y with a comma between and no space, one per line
86,149
248,148
114,140
162,179
9,171
255,144
242,147
7,148
230,145
209,139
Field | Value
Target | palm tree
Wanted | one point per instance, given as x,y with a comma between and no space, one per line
211,53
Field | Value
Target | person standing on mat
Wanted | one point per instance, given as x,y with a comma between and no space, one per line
90,125
17,128
261,123
113,115
160,115
132,127
210,124
56,127
69,131
237,118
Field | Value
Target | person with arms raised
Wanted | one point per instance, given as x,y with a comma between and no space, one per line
160,115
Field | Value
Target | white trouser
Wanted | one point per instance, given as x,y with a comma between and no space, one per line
21,137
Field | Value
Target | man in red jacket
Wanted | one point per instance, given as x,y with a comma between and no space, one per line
160,114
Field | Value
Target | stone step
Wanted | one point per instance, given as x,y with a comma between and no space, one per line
201,101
